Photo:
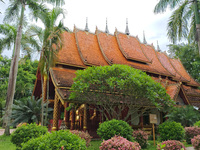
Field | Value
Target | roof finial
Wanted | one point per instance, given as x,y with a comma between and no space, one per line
127,30
107,31
144,39
158,47
86,26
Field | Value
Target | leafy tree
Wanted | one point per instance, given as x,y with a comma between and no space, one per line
184,22
116,88
187,115
188,54
11,14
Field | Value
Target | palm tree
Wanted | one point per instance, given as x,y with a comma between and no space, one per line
51,44
184,23
11,13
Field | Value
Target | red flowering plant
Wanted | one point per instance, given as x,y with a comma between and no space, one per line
141,137
171,144
190,132
196,142
83,135
119,143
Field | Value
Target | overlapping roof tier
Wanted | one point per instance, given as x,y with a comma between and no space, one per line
82,49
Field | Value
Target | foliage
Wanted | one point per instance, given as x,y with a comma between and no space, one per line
197,124
181,24
28,111
117,87
108,129
196,142
190,132
188,54
57,140
118,142
83,135
171,131
187,115
171,144
25,133
141,137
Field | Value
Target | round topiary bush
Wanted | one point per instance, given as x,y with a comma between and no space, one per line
58,140
26,132
171,131
171,145
109,129
196,142
190,132
118,142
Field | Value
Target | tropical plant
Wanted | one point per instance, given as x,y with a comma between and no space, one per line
12,13
28,111
197,124
51,44
115,88
171,131
24,133
186,115
184,22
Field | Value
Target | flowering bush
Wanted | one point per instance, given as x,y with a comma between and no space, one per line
119,143
171,131
83,135
190,132
171,144
141,137
196,142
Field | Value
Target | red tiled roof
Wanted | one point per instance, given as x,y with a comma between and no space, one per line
89,48
69,52
155,63
130,47
173,90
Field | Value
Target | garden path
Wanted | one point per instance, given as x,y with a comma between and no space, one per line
2,131
189,148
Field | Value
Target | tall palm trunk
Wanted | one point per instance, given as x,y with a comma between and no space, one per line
197,20
13,76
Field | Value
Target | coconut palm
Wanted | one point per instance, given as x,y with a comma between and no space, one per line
15,9
51,44
184,23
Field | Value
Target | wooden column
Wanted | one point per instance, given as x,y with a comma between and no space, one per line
66,115
55,113
85,118
73,119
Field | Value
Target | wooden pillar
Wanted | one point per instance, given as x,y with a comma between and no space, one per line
66,115
55,113
72,119
85,118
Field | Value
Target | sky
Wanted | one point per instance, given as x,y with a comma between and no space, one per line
138,12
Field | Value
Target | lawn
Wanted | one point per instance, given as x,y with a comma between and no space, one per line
5,144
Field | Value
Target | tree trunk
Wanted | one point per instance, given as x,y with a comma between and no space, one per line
197,21
13,76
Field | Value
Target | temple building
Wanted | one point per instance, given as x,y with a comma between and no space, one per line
82,49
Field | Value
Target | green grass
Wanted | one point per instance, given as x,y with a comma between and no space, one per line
5,143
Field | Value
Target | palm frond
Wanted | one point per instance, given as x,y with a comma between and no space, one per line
55,2
162,5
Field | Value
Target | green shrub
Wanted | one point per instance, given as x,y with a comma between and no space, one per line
24,133
197,124
58,140
171,131
109,129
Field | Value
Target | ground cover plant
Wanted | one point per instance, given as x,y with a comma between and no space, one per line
26,132
57,140
171,131
109,129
